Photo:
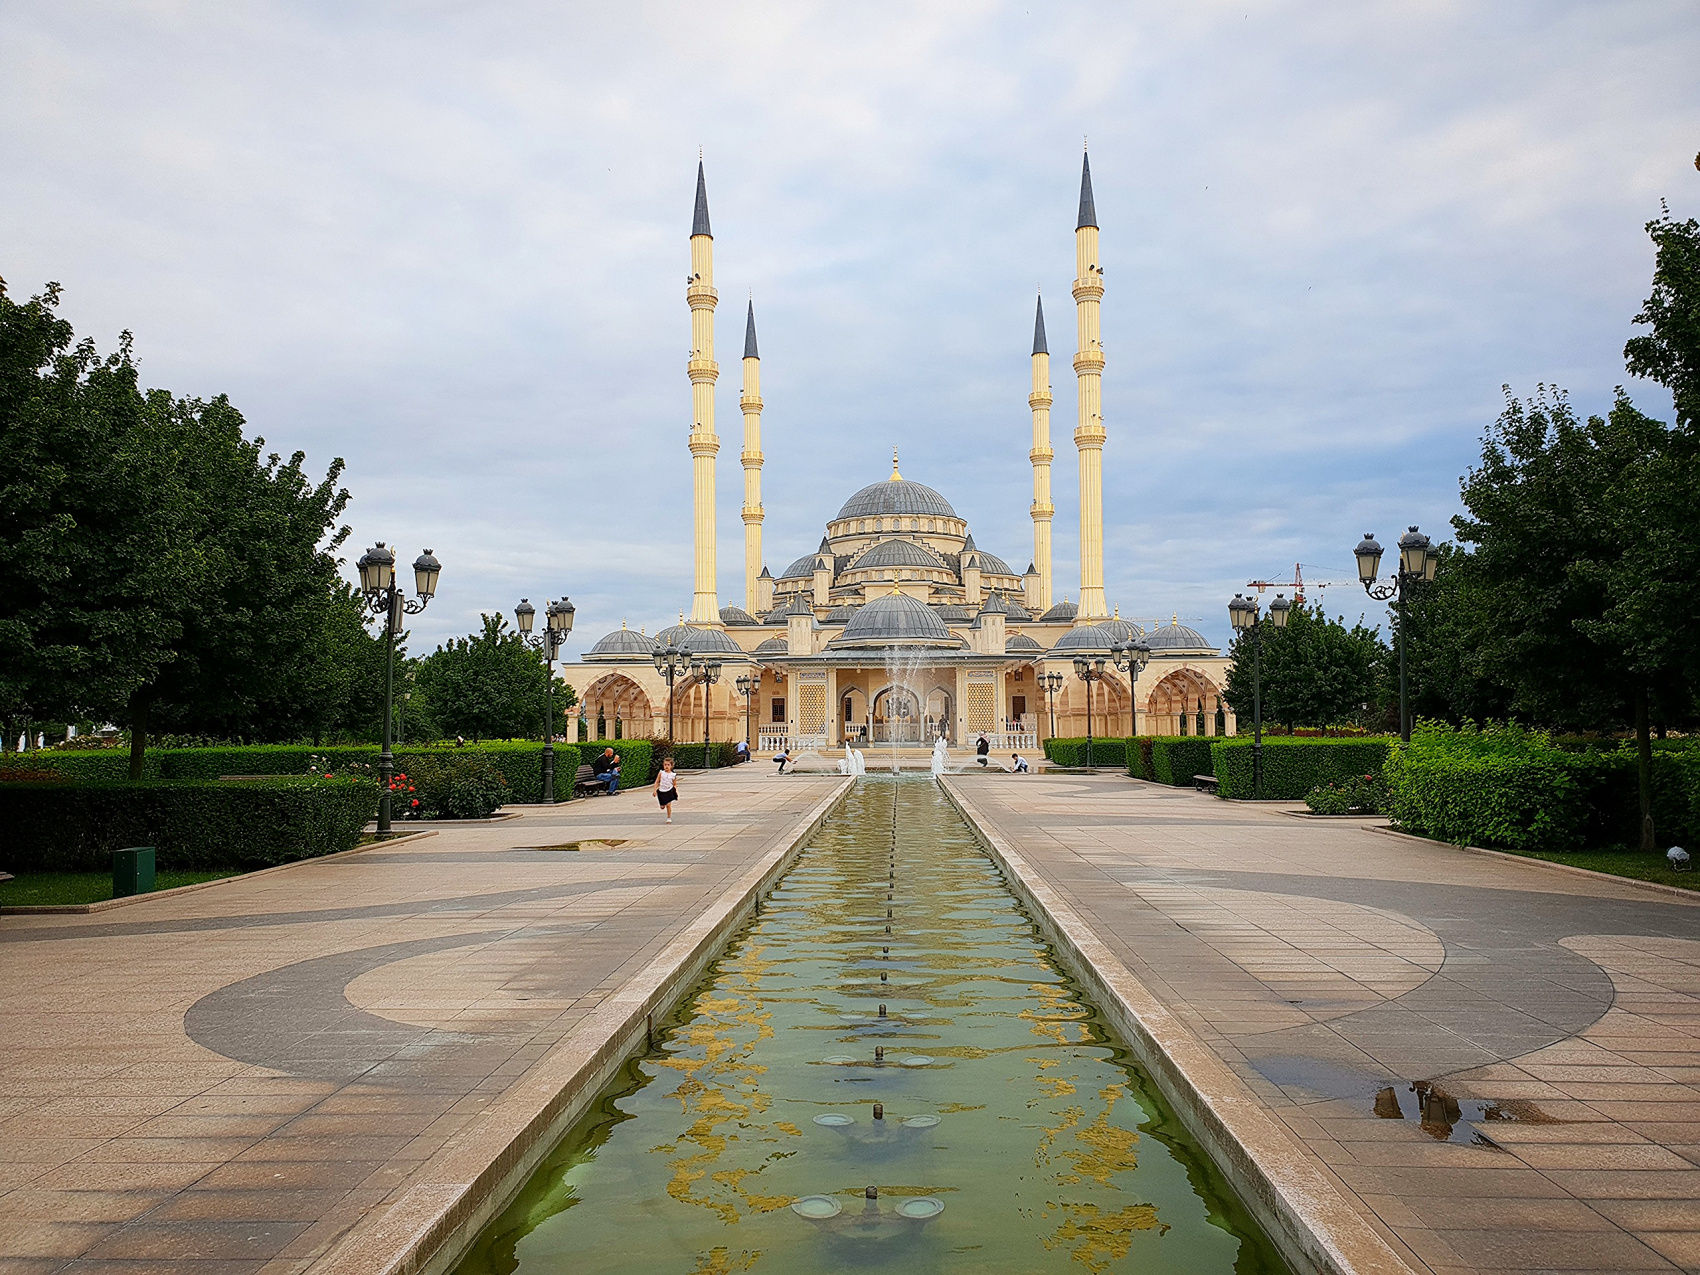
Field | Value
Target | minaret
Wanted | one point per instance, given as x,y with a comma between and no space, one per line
1089,426
751,456
1043,510
703,371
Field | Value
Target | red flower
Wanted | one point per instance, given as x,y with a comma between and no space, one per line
416,801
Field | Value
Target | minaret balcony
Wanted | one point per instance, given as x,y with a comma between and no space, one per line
703,370
750,403
1041,455
1037,400
700,294
1089,361
704,443
1089,289
751,460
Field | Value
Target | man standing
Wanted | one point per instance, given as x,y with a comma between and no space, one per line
607,766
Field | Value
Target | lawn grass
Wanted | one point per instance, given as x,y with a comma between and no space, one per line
1620,863
41,889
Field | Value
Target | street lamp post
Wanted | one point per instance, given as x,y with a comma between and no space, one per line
378,586
1051,683
748,684
1131,658
670,661
558,622
1089,670
1242,613
708,673
1418,559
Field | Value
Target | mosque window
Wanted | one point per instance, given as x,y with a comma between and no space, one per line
778,703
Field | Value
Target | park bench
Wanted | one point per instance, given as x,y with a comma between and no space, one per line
587,780
1205,783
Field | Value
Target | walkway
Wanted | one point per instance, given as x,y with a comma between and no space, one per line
227,1080
1496,1063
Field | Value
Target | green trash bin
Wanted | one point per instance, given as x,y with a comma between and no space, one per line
132,871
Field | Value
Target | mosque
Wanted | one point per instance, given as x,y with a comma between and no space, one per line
898,627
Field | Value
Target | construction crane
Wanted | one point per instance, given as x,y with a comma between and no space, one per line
1297,584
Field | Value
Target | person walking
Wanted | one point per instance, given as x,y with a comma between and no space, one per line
983,752
667,788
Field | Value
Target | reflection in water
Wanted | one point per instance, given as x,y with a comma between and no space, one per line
1448,1119
986,1122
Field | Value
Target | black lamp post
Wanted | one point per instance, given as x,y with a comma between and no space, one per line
1242,613
1089,669
1418,559
1051,683
670,661
377,584
1131,657
558,621
748,684
708,673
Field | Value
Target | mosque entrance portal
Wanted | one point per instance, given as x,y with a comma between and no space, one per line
897,717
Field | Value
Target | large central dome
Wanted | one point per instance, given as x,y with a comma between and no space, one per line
896,496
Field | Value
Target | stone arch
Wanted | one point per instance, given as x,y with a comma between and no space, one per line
617,707
896,715
1183,702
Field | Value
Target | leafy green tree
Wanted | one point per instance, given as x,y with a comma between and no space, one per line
488,685
1316,671
1443,621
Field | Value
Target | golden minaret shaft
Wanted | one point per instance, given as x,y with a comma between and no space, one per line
1089,426
703,371
1043,510
750,401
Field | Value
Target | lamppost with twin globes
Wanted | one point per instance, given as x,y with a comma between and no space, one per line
1131,657
748,684
1242,614
1089,669
670,661
558,622
1418,559
707,672
378,586
1051,683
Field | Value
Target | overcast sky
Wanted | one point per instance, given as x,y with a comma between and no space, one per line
448,242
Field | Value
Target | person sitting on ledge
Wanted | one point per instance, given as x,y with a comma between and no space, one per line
1021,767
741,752
607,766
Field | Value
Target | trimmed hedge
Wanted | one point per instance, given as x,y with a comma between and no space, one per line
193,826
1175,759
1106,751
691,756
1516,791
107,765
1292,766
639,760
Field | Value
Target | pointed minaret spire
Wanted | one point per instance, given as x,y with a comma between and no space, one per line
751,457
703,371
1088,212
1089,421
699,224
1038,597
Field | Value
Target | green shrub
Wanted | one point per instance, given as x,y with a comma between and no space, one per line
1107,751
639,760
1140,763
58,827
458,785
1292,767
1355,794
1175,759
111,765
691,756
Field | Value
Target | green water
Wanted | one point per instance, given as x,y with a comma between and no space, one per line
1051,1150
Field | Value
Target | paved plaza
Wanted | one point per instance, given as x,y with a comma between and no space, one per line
1495,1062
227,1080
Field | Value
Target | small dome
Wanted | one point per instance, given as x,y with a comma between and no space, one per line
622,643
1021,644
1084,639
895,619
897,553
1124,630
953,613
1017,612
839,615
1176,638
698,641
735,615
1064,610
800,569
773,646
991,564
775,616
896,496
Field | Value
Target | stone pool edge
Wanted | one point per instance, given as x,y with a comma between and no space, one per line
429,1227
1315,1228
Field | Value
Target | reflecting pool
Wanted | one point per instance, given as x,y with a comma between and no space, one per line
886,1071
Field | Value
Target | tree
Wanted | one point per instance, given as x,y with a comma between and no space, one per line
1442,624
486,686
1316,671
1576,527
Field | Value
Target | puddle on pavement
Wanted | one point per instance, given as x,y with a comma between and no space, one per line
1448,1119
603,843
885,1071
